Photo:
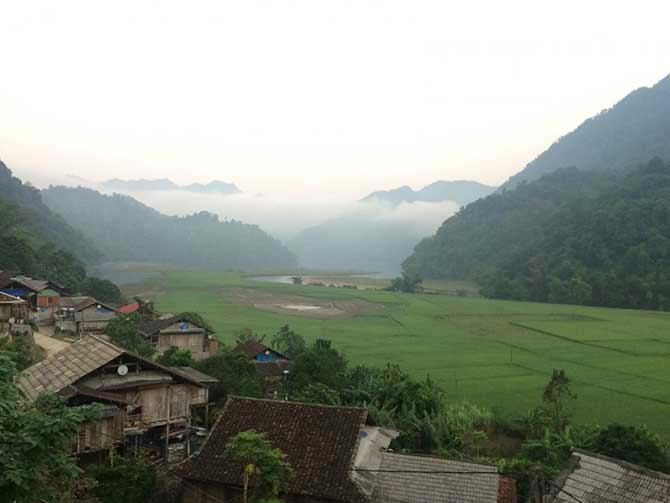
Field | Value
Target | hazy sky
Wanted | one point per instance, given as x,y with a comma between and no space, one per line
312,96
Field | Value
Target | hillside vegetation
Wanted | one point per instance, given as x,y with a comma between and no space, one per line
633,131
579,237
127,230
34,221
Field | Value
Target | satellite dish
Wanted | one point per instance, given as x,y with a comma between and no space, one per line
122,370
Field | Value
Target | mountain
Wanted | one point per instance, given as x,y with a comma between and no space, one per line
213,187
633,131
127,230
373,236
461,192
37,242
594,237
38,222
355,242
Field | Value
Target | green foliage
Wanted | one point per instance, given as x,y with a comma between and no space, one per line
102,290
572,237
127,479
297,280
262,467
19,350
320,363
317,393
288,343
129,231
36,464
555,413
246,335
633,444
407,282
175,357
236,374
123,332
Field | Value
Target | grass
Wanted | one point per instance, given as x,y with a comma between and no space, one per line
495,353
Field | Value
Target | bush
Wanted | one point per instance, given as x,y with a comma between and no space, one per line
127,479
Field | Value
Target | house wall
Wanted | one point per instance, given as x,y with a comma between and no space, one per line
102,434
197,343
154,401
48,300
93,320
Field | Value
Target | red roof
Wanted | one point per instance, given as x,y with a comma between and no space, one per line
129,308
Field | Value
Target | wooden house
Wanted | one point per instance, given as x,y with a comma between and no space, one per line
272,367
179,332
154,401
40,294
84,315
12,309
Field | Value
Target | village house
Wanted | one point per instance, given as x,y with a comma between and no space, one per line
320,442
152,402
425,479
179,332
271,366
594,478
12,310
83,315
336,456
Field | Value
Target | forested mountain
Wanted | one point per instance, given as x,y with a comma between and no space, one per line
213,187
37,222
127,230
461,192
39,243
632,132
583,237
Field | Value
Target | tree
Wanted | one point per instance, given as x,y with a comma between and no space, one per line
246,335
408,282
261,465
297,280
318,393
123,331
555,412
289,343
321,363
102,290
36,464
633,444
126,479
175,357
236,374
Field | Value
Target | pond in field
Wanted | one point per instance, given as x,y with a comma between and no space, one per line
301,307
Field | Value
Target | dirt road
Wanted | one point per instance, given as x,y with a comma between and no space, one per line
49,344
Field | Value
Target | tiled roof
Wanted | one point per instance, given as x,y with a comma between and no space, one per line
319,442
272,368
253,347
153,327
462,487
599,479
67,366
195,374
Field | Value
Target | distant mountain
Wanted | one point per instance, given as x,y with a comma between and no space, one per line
213,187
127,230
461,192
630,133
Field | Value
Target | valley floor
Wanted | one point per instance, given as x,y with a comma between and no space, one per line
495,353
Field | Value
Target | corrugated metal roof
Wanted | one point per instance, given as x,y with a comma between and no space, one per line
462,487
597,479
195,374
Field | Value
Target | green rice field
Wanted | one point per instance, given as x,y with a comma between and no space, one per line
494,353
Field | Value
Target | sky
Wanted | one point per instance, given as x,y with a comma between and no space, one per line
311,98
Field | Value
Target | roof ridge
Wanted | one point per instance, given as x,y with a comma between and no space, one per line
437,458
624,464
295,402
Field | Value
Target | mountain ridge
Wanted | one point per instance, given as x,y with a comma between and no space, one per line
142,184
459,191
